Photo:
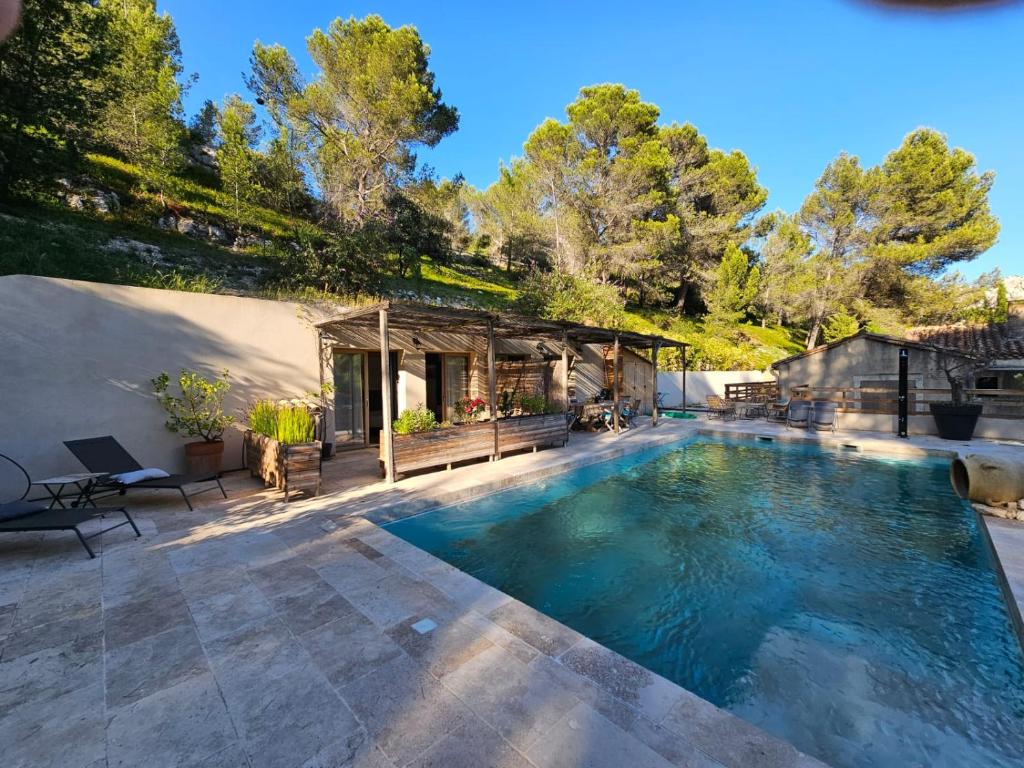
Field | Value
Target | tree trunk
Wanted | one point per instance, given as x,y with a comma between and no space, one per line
812,334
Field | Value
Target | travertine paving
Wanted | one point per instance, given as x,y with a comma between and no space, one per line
254,633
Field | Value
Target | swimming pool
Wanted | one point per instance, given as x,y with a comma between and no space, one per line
846,604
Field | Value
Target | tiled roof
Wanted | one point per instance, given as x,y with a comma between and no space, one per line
1001,342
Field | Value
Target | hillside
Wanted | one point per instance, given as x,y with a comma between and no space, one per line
97,226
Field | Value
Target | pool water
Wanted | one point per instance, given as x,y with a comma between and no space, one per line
848,605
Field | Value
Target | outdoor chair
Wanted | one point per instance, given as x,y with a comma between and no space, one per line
629,413
105,454
22,516
799,414
776,411
826,416
718,408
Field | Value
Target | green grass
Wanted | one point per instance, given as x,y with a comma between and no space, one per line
482,286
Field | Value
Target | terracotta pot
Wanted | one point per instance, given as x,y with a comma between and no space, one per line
203,458
988,479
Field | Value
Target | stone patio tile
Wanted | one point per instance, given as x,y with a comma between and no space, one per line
501,637
356,751
652,695
184,725
670,745
66,732
203,554
404,708
292,575
314,606
159,661
284,709
137,578
474,745
255,550
444,648
136,619
521,701
49,598
257,640
589,692
360,546
348,648
543,633
50,673
229,757
211,580
227,612
347,570
395,598
60,632
584,737
467,591
6,617
727,738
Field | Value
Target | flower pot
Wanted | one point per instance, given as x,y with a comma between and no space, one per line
204,458
955,422
989,480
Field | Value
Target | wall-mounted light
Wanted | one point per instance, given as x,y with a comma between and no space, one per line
416,342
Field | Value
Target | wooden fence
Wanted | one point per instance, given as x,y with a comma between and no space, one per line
758,391
997,403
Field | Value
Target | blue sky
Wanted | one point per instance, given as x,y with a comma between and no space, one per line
789,83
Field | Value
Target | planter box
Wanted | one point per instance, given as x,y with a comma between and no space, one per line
521,432
292,468
462,442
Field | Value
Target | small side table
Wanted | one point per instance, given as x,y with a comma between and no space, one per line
55,486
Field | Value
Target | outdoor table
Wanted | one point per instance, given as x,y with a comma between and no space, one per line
81,481
750,410
589,413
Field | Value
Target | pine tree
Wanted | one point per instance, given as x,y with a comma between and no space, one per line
237,134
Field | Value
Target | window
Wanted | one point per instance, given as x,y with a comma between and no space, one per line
456,381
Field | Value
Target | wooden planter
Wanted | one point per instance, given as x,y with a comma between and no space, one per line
292,468
462,442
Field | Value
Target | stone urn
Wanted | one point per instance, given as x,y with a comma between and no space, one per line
988,479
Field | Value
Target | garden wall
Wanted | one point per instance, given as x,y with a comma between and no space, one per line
76,359
700,384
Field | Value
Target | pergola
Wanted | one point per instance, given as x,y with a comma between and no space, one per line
424,318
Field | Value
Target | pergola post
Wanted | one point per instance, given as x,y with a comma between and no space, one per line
654,361
615,384
684,379
386,388
492,386
565,371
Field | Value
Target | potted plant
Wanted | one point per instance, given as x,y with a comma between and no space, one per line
197,412
956,418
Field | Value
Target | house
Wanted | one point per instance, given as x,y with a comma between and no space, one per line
77,359
861,372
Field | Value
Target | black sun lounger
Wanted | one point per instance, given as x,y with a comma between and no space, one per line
105,454
25,516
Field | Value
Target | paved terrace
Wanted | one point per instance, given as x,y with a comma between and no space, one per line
254,633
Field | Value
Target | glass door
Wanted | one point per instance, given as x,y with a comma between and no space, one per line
456,382
349,399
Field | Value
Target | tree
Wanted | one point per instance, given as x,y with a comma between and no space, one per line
444,200
840,325
560,296
734,288
237,135
931,209
835,218
372,102
281,182
144,119
715,197
1001,311
551,152
51,86
508,213
202,128
786,282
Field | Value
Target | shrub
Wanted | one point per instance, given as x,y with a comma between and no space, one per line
468,408
199,410
287,423
532,404
558,296
410,422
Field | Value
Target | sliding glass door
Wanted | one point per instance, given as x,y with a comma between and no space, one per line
349,399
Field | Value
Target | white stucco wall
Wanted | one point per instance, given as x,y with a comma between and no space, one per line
76,359
700,384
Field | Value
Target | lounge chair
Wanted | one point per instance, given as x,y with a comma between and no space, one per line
105,454
826,416
22,516
720,409
799,413
776,411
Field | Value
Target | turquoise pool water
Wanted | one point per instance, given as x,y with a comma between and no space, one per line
848,605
